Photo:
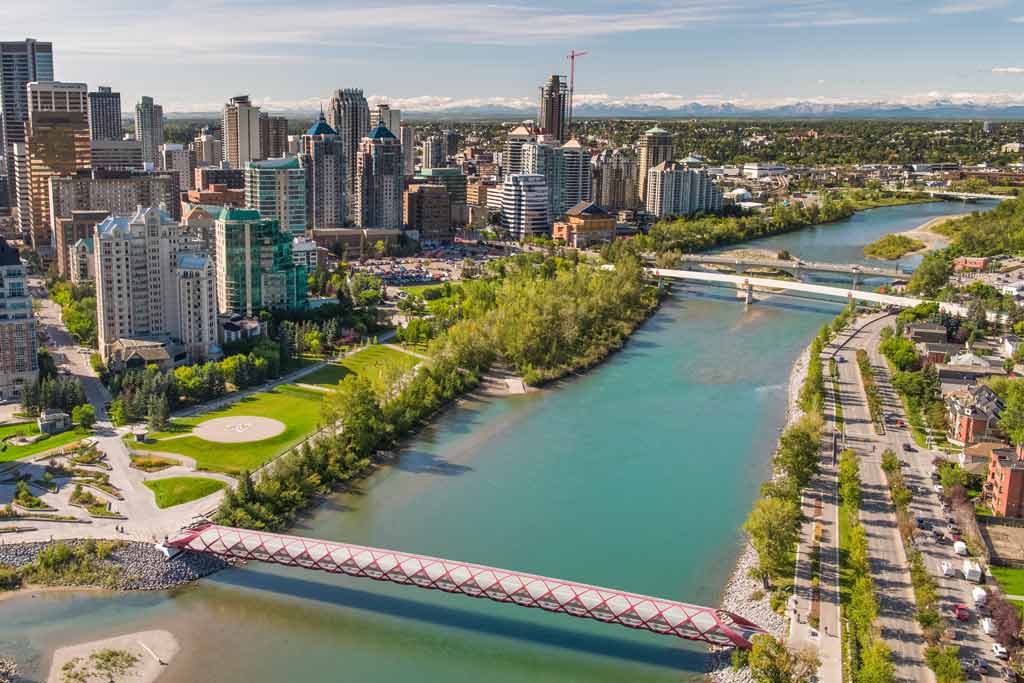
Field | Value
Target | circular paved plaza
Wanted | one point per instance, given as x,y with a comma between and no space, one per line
238,429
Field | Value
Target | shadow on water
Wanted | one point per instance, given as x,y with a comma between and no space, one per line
421,462
664,655
826,307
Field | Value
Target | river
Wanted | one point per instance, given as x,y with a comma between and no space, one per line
636,476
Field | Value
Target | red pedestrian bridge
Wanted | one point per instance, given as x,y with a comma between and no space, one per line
666,617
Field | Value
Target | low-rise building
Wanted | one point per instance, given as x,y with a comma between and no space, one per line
216,193
53,421
970,264
585,224
973,415
926,332
1004,488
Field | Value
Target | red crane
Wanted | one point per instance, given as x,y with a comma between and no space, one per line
573,54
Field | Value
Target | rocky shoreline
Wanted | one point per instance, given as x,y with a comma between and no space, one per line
738,592
139,566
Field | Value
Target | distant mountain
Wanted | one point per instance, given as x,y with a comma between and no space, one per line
938,109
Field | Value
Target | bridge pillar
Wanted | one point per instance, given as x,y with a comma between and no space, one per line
799,274
856,279
747,292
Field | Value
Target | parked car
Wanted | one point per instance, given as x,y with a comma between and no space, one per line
960,548
923,523
908,448
948,569
939,489
961,612
1000,651
939,537
1008,674
987,627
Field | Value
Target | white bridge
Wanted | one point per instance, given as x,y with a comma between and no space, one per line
939,192
746,286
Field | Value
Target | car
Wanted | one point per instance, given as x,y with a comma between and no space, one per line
948,569
923,523
939,537
940,489
950,520
961,612
908,448
979,665
1000,651
1008,674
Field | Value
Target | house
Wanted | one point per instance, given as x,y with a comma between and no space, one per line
953,375
927,332
1008,344
937,352
1004,488
970,264
974,459
234,328
135,354
973,415
53,422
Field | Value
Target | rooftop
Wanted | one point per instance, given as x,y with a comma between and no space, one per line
273,164
321,127
586,208
232,213
381,133
8,254
192,261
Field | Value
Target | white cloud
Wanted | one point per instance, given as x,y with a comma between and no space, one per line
967,6
1008,70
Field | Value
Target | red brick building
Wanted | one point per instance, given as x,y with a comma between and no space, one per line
1005,485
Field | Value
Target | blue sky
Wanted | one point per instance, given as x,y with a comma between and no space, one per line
194,55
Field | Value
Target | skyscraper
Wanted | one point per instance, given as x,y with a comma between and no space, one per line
452,141
554,107
379,180
20,63
655,147
575,176
615,176
512,153
255,268
18,364
273,136
135,284
524,206
408,138
58,143
207,148
277,189
384,115
427,209
675,190
105,114
149,129
177,158
241,132
349,115
323,159
433,153
566,170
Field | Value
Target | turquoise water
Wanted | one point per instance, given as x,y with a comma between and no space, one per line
635,476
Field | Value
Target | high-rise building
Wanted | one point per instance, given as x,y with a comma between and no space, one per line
615,177
18,364
82,261
58,143
451,179
323,158
231,178
119,193
116,154
675,190
149,129
136,288
379,181
575,176
452,143
349,115
655,147
207,148
273,136
196,286
177,158
277,189
385,116
241,131
255,268
524,206
408,139
554,108
81,224
477,192
105,114
428,210
566,169
21,63
433,153
19,187
512,154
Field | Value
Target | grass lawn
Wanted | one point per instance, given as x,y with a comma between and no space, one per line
297,408
1011,580
330,375
177,490
10,452
419,289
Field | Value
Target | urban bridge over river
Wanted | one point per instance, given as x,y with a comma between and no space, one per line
665,617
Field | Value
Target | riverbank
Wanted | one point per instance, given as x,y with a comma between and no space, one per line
925,233
744,595
139,657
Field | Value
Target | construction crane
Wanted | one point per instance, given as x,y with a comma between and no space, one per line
573,54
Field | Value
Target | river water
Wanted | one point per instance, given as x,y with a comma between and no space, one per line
635,476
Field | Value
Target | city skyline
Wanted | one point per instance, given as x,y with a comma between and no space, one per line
820,51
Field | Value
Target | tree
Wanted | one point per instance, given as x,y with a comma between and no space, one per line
158,413
930,276
772,662
117,416
1012,418
773,525
1006,619
84,415
945,662
876,664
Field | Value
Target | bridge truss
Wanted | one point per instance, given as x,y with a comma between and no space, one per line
666,617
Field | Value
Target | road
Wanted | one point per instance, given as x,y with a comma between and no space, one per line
890,568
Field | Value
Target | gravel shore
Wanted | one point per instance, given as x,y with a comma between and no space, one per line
736,597
152,650
140,565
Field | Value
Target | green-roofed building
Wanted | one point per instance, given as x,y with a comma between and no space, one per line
255,270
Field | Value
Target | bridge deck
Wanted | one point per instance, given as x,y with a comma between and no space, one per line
788,265
666,617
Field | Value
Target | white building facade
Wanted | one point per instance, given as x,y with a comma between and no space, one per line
524,206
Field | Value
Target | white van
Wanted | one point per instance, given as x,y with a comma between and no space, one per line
979,596
960,548
948,569
987,626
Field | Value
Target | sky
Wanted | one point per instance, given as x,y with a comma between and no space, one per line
428,56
